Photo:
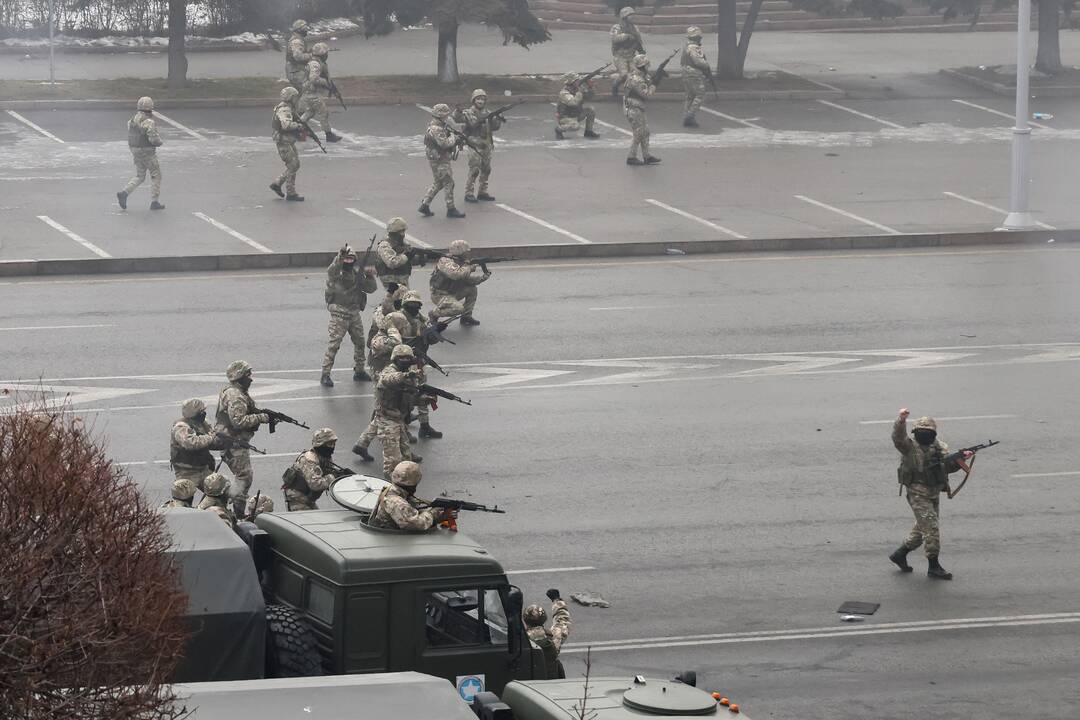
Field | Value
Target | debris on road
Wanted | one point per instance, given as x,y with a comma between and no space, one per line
589,599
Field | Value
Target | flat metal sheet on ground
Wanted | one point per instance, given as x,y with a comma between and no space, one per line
858,607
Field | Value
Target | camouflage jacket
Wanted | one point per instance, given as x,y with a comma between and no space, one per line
308,477
348,288
439,142
453,276
398,508
570,103
190,444
391,261
693,61
477,128
236,414
921,469
638,88
286,129
550,641
297,55
142,132
396,392
316,83
626,40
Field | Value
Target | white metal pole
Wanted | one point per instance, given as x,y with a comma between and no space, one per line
1019,217
52,17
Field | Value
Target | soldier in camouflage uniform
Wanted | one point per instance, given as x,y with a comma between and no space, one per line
924,475
287,131
216,492
442,149
183,490
393,256
236,418
639,87
479,129
256,506
311,473
315,91
549,641
398,506
695,68
396,393
453,285
143,139
626,42
571,109
190,443
297,56
390,325
415,326
347,286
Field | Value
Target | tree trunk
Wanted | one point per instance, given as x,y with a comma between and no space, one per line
177,55
727,47
448,72
747,30
1048,56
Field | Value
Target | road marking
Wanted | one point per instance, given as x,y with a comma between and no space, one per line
825,632
54,327
867,116
1068,473
238,235
847,214
731,118
999,113
376,221
180,126
77,238
636,307
696,219
537,571
988,206
51,178
35,126
544,223
254,456
954,417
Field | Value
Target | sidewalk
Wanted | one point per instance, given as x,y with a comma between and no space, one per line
819,56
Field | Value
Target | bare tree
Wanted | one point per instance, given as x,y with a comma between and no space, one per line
581,708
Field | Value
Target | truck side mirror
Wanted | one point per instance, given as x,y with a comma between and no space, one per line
515,630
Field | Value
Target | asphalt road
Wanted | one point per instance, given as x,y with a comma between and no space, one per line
753,169
703,441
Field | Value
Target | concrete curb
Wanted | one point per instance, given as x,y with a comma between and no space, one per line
1009,90
276,261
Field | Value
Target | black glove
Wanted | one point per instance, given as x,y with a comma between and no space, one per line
553,594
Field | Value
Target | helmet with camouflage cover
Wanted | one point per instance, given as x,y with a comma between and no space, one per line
215,485
146,103
693,32
626,12
570,78
459,248
441,111
925,423
323,436
411,296
288,94
320,49
265,505
402,351
396,225
399,322
301,26
406,474
478,92
192,407
641,60
237,369
183,489
534,616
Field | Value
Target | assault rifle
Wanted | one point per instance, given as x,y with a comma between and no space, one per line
586,78
498,112
434,392
367,253
959,454
462,138
484,261
422,358
307,128
254,509
339,471
334,92
233,444
660,73
450,523
712,81
280,417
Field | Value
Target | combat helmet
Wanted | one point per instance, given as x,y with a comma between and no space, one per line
441,111
146,103
289,93
322,437
925,423
192,407
321,49
411,296
301,26
693,32
459,248
215,485
396,225
570,78
183,489
626,12
406,473
401,351
478,92
239,368
641,61
534,616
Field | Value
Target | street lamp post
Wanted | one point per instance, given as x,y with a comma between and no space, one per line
52,18
1019,217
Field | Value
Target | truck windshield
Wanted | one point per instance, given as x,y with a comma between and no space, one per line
468,616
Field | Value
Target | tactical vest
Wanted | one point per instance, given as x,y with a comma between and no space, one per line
626,46
137,137
441,282
932,475
567,111
430,143
222,416
394,401
189,458
381,268
294,64
293,479
341,292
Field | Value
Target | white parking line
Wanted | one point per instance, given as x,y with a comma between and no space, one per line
988,206
35,126
238,235
876,119
54,327
955,417
999,113
544,223
695,218
731,118
180,126
376,221
853,216
635,307
77,238
1069,473
537,571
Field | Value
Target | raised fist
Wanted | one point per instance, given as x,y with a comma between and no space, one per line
904,412
553,594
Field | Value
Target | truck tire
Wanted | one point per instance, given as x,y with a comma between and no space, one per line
290,645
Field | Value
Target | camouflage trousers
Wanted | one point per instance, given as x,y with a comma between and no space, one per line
394,438
442,174
295,500
927,524
145,162
314,106
287,153
479,167
344,320
622,71
572,124
196,475
239,462
640,125
447,305
694,84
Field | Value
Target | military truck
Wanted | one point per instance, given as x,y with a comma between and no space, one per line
322,592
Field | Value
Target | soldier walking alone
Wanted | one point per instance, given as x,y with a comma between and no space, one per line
143,139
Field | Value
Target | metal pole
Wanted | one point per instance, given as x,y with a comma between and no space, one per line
52,15
1019,218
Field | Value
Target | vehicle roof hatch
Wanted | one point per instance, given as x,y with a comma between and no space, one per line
663,697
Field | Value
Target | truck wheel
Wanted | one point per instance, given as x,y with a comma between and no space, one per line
290,646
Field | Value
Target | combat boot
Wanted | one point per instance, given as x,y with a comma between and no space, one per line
935,570
425,210
559,134
454,213
469,321
426,431
899,557
651,160
155,205
417,458
293,197
326,380
591,135
485,196
121,197
633,161
331,137
277,189
469,197
361,376
363,453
